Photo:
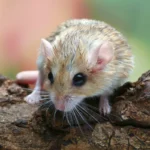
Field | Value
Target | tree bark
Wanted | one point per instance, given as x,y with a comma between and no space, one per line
26,127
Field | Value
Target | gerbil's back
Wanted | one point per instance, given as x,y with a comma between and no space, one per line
77,23
91,30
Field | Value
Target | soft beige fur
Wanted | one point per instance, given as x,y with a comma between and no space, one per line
72,43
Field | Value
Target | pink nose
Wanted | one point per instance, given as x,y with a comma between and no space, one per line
60,105
60,102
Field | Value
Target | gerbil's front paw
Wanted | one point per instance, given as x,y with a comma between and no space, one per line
104,107
33,98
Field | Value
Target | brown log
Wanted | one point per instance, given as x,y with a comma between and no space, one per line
26,127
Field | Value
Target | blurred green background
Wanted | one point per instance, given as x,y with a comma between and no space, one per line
132,18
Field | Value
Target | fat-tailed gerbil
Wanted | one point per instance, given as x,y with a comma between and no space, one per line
83,58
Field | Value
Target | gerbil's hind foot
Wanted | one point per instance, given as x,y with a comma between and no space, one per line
104,107
33,98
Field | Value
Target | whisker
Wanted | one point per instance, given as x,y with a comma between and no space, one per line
55,115
67,117
28,89
74,114
48,108
83,118
88,113
47,102
71,118
64,114
94,108
99,114
45,98
44,94
77,122
47,95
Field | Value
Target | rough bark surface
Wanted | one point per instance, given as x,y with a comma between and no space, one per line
25,127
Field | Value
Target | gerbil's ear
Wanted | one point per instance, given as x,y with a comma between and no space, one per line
46,48
101,56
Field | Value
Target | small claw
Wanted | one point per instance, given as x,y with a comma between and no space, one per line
104,107
105,110
33,98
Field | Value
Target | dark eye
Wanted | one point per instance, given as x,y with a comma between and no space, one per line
79,79
50,77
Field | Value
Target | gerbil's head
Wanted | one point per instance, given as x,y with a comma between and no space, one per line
75,73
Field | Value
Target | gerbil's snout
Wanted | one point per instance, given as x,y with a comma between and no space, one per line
66,103
61,102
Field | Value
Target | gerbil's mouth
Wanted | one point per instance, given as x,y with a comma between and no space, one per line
61,102
67,104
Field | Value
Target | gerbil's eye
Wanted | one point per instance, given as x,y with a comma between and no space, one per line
79,79
50,77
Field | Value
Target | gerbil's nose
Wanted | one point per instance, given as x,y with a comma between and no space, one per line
60,103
